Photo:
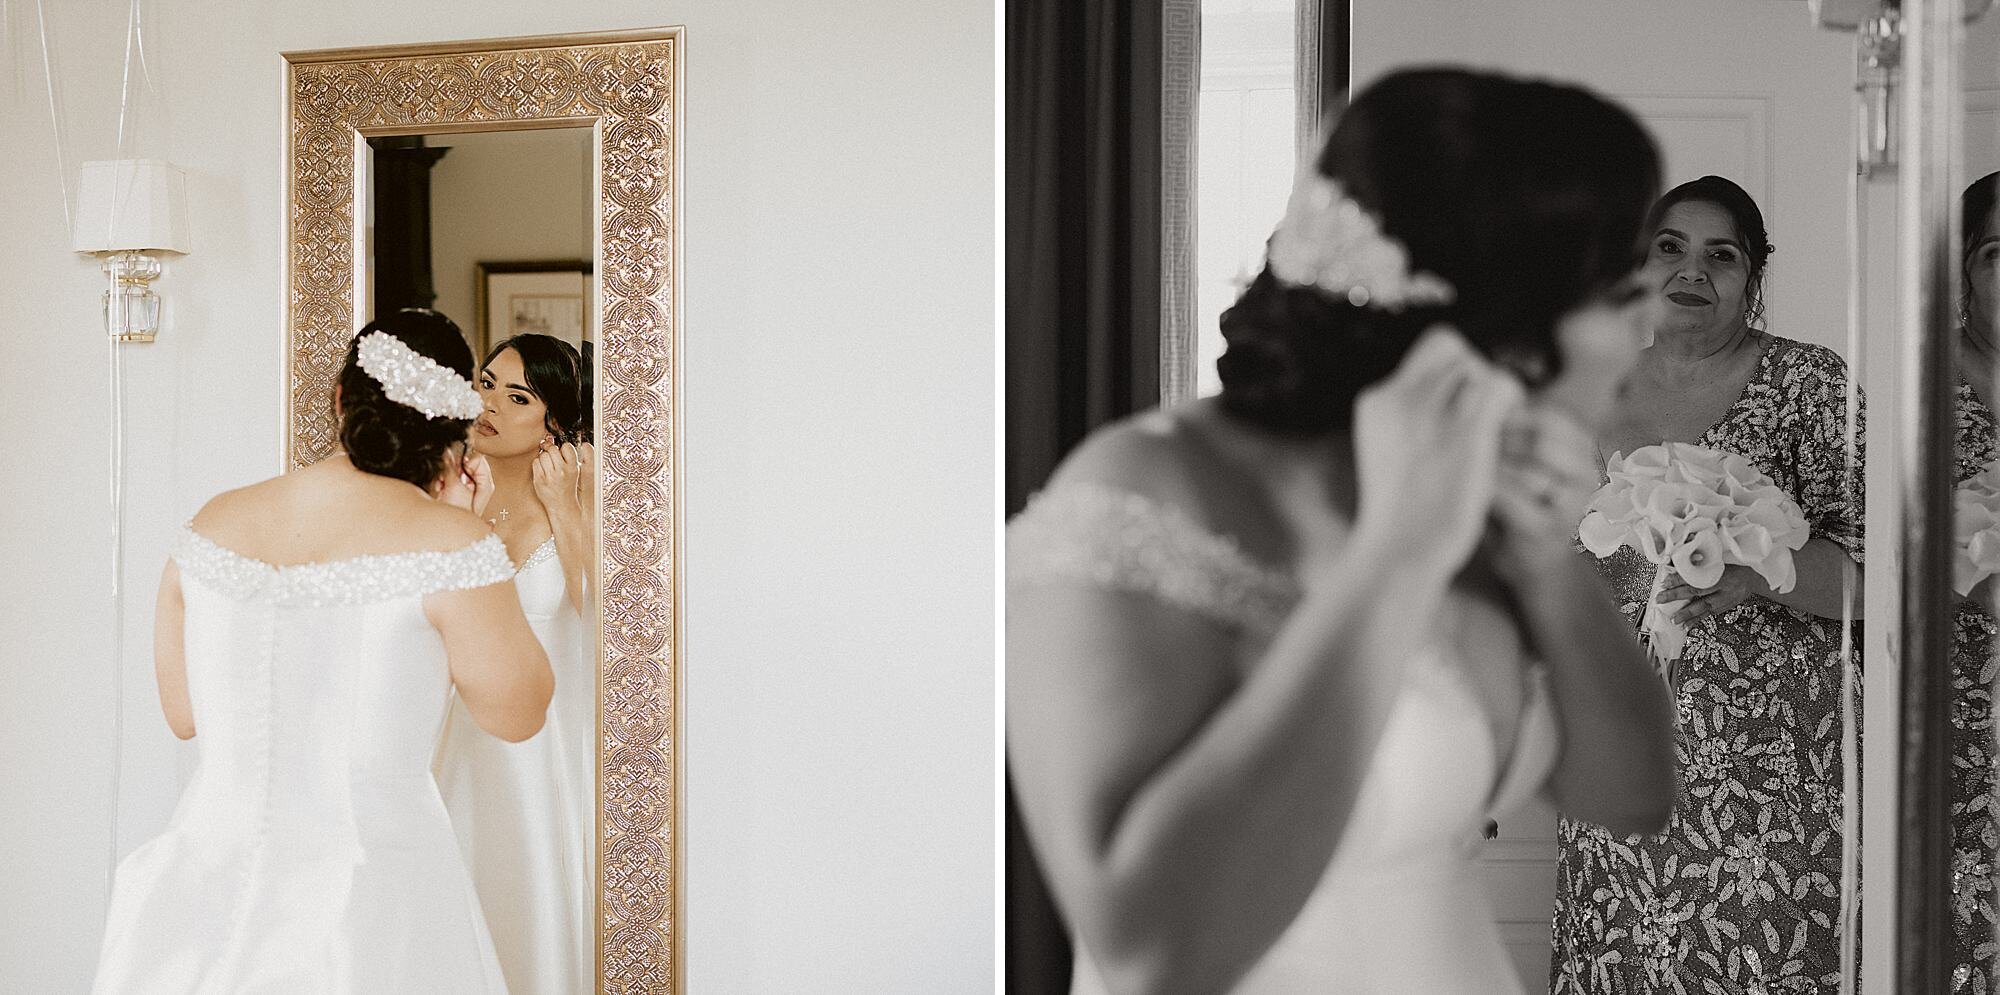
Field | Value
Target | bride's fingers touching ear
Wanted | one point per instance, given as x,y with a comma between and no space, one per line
1436,368
479,472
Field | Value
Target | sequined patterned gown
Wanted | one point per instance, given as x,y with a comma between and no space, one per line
1399,908
1741,892
310,852
1975,809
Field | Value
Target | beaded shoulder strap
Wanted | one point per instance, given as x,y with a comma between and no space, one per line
1105,537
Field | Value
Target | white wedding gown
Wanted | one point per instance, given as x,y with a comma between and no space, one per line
522,811
1399,909
310,852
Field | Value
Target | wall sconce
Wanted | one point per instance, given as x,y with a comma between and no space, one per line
129,210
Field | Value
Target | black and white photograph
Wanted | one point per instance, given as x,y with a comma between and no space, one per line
1440,459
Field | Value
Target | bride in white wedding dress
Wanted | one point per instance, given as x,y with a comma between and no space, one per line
523,811
1273,658
310,631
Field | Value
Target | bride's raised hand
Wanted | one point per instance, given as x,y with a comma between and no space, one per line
586,468
557,470
1426,442
480,474
467,482
1548,472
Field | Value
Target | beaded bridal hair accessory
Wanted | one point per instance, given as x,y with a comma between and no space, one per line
1327,241
416,380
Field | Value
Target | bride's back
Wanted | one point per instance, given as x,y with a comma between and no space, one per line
307,644
332,511
309,632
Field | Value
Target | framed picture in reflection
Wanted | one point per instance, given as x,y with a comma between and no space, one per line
548,297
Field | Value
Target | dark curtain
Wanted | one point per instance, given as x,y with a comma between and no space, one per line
1335,58
1083,298
1083,225
1324,61
1084,97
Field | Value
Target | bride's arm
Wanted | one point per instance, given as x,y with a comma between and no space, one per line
1184,814
1616,767
565,482
1184,818
170,654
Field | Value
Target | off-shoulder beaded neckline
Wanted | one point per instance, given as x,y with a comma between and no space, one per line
343,561
353,580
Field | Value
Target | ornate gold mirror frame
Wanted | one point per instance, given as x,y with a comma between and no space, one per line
626,87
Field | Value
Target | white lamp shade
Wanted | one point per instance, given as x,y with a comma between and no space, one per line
125,205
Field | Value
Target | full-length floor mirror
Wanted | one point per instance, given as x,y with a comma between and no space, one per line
528,189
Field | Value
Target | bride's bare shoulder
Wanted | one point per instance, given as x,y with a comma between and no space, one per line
331,511
226,510
1157,453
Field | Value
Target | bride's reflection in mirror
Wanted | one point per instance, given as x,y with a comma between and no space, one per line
459,223
522,811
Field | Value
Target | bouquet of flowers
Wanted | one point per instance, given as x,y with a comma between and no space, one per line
1976,517
1692,511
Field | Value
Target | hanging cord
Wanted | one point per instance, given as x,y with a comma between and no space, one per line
146,69
55,109
125,83
117,384
1850,656
134,42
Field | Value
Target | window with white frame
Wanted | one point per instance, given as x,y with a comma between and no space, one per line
1245,155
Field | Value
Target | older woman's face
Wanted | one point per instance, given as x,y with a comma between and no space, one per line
1982,277
1698,269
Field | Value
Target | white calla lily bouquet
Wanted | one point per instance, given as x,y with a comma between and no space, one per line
1976,517
1692,511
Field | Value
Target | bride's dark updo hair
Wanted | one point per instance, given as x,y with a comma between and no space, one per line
388,437
559,375
1526,197
1975,213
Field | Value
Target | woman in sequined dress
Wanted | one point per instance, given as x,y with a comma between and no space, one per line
1270,667
1975,809
1741,892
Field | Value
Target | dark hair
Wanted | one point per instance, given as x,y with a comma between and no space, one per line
561,377
1524,196
1975,213
1743,212
387,437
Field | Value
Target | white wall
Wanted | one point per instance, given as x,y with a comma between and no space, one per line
838,466
506,196
1748,89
